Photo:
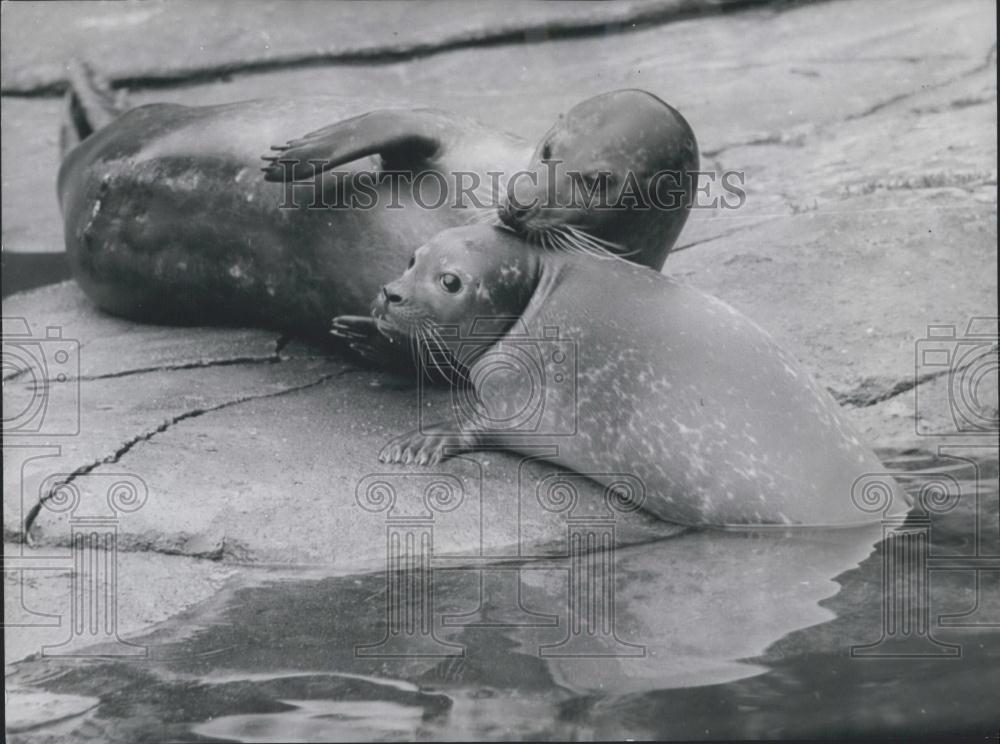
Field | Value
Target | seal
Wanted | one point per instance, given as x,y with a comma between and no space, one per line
167,219
615,173
655,380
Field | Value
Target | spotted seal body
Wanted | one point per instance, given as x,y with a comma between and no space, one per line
625,371
168,218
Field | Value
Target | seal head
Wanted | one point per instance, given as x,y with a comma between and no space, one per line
613,175
460,293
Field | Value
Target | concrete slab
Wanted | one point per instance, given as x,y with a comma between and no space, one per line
867,133
161,41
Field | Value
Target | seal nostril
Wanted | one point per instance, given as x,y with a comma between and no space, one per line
512,213
390,296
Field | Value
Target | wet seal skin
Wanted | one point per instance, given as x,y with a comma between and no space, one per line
168,218
613,174
656,380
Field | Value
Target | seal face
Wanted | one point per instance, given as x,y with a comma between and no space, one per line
167,218
476,294
656,381
614,173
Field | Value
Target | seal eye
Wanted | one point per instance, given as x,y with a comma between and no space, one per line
451,283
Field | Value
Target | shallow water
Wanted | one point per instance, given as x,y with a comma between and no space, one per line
706,635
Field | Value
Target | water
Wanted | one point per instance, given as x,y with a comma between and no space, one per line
714,635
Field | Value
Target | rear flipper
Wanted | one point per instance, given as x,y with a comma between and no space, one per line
403,139
89,105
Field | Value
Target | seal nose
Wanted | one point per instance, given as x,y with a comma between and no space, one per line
389,296
515,212
511,215
524,197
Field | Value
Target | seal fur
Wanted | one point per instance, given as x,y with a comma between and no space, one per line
721,425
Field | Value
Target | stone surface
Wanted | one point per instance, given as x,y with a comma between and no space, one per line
29,161
249,453
151,587
867,133
168,41
811,68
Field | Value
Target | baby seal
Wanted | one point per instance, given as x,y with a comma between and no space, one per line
614,174
626,371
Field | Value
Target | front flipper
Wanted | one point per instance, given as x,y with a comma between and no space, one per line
430,446
403,138
363,338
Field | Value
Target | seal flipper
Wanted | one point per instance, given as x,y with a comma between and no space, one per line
89,105
431,445
402,138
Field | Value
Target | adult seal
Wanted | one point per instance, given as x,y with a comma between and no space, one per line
616,174
167,217
656,380
609,176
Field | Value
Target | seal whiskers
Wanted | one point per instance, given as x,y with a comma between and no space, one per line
665,384
165,221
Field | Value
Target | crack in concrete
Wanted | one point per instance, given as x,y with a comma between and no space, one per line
968,181
16,374
129,444
177,544
872,392
798,139
772,138
535,33
275,357
986,64
201,364
956,104
726,233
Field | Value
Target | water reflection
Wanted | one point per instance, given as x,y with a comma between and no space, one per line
705,635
